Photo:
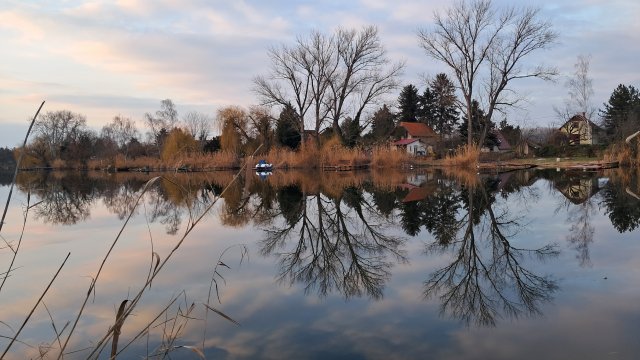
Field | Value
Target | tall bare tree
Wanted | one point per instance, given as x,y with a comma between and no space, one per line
198,124
485,48
120,130
329,78
580,91
164,120
261,125
365,74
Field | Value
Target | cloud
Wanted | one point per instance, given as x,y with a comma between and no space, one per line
28,30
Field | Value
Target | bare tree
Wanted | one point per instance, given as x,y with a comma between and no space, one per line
299,77
580,88
329,78
164,120
365,74
261,127
198,124
120,130
485,49
58,128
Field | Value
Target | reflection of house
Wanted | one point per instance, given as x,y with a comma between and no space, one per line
417,138
417,193
582,131
419,179
578,190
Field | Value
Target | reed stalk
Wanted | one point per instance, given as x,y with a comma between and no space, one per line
24,323
15,173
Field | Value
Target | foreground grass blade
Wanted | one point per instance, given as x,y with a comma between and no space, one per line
35,306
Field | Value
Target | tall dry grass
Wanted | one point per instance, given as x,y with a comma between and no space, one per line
220,160
339,155
624,154
386,157
465,156
304,158
312,157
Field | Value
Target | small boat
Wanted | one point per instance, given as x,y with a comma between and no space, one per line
263,166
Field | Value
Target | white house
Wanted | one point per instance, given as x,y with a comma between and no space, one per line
412,146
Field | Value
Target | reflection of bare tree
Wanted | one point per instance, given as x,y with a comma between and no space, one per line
578,191
62,202
160,209
581,231
487,277
250,202
334,244
60,206
121,199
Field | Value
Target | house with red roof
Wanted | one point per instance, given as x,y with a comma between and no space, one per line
416,139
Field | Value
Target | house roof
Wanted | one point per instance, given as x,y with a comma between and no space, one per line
582,117
504,144
416,129
404,142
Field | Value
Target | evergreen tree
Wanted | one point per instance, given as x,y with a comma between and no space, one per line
408,104
382,123
287,133
350,132
618,110
443,109
427,112
478,120
511,133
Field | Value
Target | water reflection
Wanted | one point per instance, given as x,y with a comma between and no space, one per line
578,190
333,243
488,277
621,200
344,233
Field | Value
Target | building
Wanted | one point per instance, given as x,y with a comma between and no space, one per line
503,143
412,146
582,131
416,138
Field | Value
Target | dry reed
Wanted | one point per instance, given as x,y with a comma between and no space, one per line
465,156
386,157
624,154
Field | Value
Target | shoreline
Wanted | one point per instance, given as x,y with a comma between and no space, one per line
497,166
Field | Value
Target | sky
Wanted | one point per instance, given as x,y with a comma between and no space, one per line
105,58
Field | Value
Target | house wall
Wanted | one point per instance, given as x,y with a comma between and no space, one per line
579,133
416,148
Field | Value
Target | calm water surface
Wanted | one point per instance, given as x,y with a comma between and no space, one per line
526,265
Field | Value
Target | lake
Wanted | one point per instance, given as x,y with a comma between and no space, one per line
322,265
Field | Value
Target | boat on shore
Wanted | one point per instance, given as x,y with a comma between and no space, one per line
263,166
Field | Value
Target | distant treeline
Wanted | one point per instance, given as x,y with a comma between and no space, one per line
7,160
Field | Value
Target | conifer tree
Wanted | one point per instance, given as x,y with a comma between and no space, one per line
408,104
287,133
617,112
382,124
